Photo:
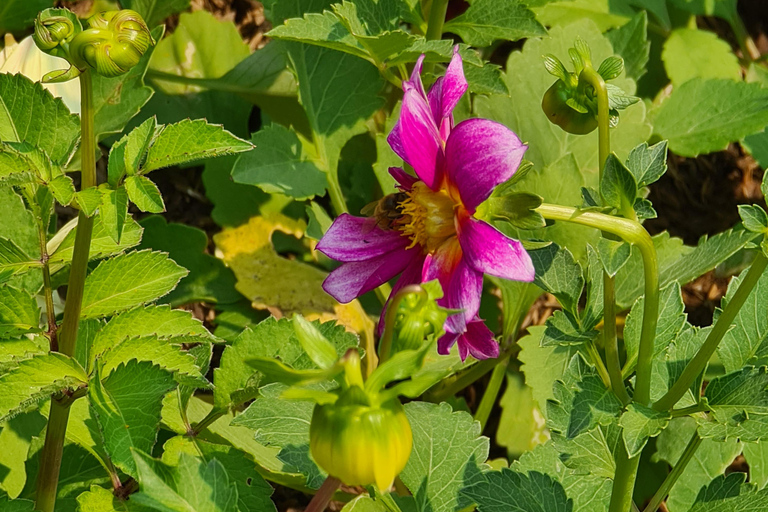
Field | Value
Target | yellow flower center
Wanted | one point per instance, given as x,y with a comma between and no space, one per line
428,217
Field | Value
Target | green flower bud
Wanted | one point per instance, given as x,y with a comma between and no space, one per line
418,316
54,29
573,120
359,442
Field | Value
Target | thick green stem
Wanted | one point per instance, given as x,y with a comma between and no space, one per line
594,79
673,475
723,324
594,357
50,459
324,494
435,26
491,392
623,481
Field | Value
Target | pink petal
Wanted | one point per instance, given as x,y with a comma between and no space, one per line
405,180
477,340
480,154
447,90
489,251
355,278
415,80
411,275
419,137
353,238
396,142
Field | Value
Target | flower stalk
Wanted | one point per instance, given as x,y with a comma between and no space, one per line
50,459
673,475
324,495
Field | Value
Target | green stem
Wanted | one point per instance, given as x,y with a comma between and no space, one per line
50,311
435,26
723,324
623,481
449,387
491,392
324,494
687,411
673,475
385,346
594,79
50,459
746,43
210,418
595,358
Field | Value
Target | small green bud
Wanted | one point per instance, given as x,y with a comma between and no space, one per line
359,442
418,316
54,29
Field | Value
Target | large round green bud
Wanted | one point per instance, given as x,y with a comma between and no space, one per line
556,106
361,443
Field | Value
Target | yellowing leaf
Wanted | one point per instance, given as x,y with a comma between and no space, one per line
273,282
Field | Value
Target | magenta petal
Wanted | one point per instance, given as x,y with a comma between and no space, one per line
405,180
415,80
480,154
489,251
462,286
419,137
353,238
355,278
411,275
445,343
478,341
447,90
395,141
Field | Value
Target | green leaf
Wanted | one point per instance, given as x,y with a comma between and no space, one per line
692,53
209,280
745,342
118,99
702,116
631,42
648,164
144,194
613,255
592,452
20,226
710,460
63,189
589,492
319,222
668,365
236,382
543,365
129,280
517,208
88,201
521,426
285,424
754,218
126,405
191,140
23,163
338,92
757,458
102,244
448,453
508,490
190,486
489,20
15,438
33,380
113,211
33,115
739,406
19,312
564,329
155,12
233,204
278,165
253,491
99,499
558,274
324,29
16,15
639,423
277,11
581,401
727,493
618,186
321,351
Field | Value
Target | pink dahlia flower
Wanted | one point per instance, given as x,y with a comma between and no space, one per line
432,233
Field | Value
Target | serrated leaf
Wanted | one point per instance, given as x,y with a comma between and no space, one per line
136,144
191,486
63,189
35,116
88,201
631,42
209,280
129,280
618,186
236,382
558,274
704,115
668,365
727,493
285,424
99,499
563,329
191,140
613,255
739,406
744,343
757,458
144,194
35,379
508,490
319,222
126,404
19,312
543,366
277,164
113,211
20,162
754,218
15,438
648,164
320,29
13,259
581,401
521,424
592,452
488,20
639,423
448,453
692,53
